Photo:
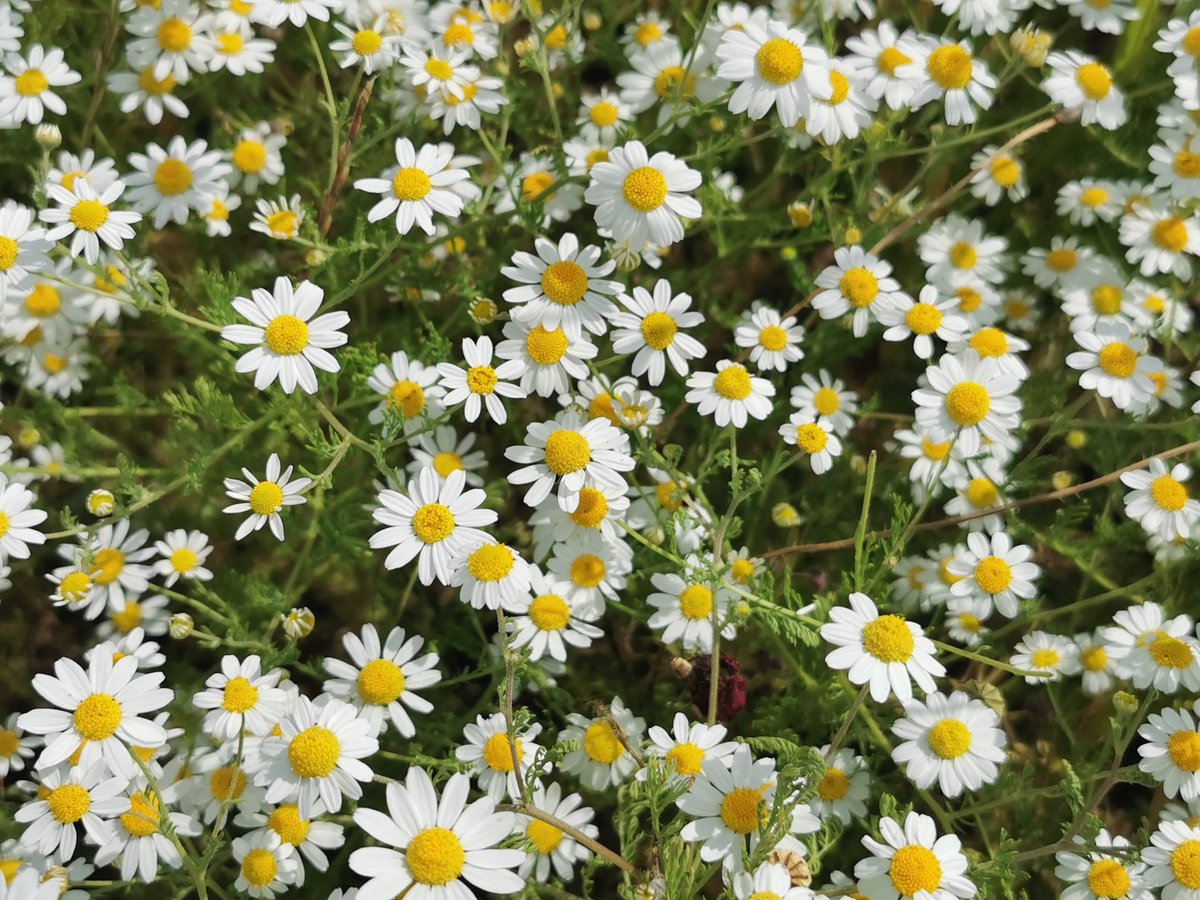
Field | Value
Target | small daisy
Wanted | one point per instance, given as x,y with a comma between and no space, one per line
968,400
978,495
491,576
857,283
257,157
552,848
144,90
562,286
813,438
218,782
480,95
371,46
274,13
170,39
934,466
27,82
641,198
773,66
319,754
1087,200
990,342
1173,860
964,619
266,866
279,219
535,180
1151,650
652,325
931,315
1058,266
887,60
1114,363
1050,656
1097,875
997,175
955,246
99,710
1171,753
88,218
1159,501
1109,18
1160,241
23,248
431,846
594,568
241,697
549,356
844,788
994,569
309,836
416,187
573,453
953,74
435,522
114,560
773,341
444,452
770,880
174,181
490,754
18,519
826,399
839,108
289,341
183,555
603,114
685,609
731,395
83,795
237,49
883,651
1082,84
136,843
912,861
602,759
380,679
550,620
15,747
410,390
1095,664
952,741
266,498
687,746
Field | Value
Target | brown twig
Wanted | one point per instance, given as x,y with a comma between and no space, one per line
325,216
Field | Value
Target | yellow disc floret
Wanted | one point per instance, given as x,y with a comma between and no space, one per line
97,717
889,639
314,752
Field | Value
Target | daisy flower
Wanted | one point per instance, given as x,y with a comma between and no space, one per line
594,568
435,523
1114,363
23,247
416,187
651,324
844,787
562,286
961,80
1101,297
1060,265
89,218
997,175
1160,241
279,219
685,609
1088,199
146,91
480,95
770,880
954,741
444,452
257,157
491,576
174,181
552,848
687,746
274,13
18,519
113,559
237,49
15,747
773,66
1096,667
572,452
266,866
82,795
169,39
264,499
955,246
490,755
1049,656
241,697
994,569
857,282
550,620
977,495
990,342
1173,860
1151,650
371,46
1171,754
773,341
912,861
813,438
826,399
1159,501
380,679
838,107
308,836
535,180
1109,19
410,390
149,613
288,341
99,710
1097,875
26,85
603,114
319,754
641,198
549,356
929,316
434,848
1082,84
968,400
886,59
730,394
602,759
882,651
183,555
136,843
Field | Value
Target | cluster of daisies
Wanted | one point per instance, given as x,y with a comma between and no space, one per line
554,411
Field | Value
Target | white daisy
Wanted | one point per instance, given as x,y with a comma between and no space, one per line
264,499
844,787
887,60
1159,501
549,356
1171,753
955,75
1161,240
480,384
279,219
491,576
27,82
951,740
151,94
23,247
1049,656
83,795
257,157
1151,650
594,568
310,837
773,341
651,327
552,848
731,395
826,399
931,315
771,881
241,697
174,181
562,286
274,13
490,755
572,452
114,561
170,39
136,843
773,65
88,218
551,619
994,569
859,283
1097,875
368,44
237,49
266,866
1081,83
1114,363
641,198
968,400
18,519
410,390
444,452
813,438
15,747
912,861
1088,199
183,555
602,759
1096,666
416,187
685,609
687,745
1173,860
955,246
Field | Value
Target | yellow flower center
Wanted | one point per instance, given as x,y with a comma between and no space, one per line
533,186
284,223
565,283
890,59
600,154
411,184
141,820
240,695
645,189
686,758
286,822
544,837
834,785
669,80
31,82
172,177
1094,80
949,739
1118,360
604,114
1062,260
89,215
407,397
859,286
366,42
380,682
1045,658
9,868
592,508
174,35
8,253
10,743
1108,879
969,299
993,574
968,403
127,619
546,347
733,382
183,560
481,379
1191,42
314,752
230,43
498,754
1185,864
227,783
1168,493
826,401
97,717
889,639
647,33
259,867
923,318
1006,171
266,498
742,571
43,301
1094,659
841,88
601,743
773,338
950,67
1170,652
219,211
764,895
1093,197
914,869
658,330
696,602
963,255
250,156
439,69
811,438
491,562
458,34
287,335
936,452
587,570
69,803
435,856
549,612
1170,234
556,38
433,522
779,61
567,451
1187,164
989,342
670,496
743,811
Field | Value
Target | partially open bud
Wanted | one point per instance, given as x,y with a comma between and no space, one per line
785,515
299,622
1062,480
100,503
48,135
181,626
484,311
800,214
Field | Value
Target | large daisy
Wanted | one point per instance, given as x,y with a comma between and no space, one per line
416,187
572,452
640,198
967,400
562,285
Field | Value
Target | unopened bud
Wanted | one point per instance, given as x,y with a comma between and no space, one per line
48,135
1062,480
181,626
592,20
853,236
1031,45
785,515
299,622
1077,439
1124,703
484,311
800,214
316,256
526,46
100,503
681,667
717,125
29,437
787,254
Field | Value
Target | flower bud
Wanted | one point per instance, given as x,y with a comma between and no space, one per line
1062,480
592,20
800,214
717,125
299,622
48,135
526,46
181,626
788,254
100,503
1124,703
316,256
29,437
484,311
681,667
785,515
1077,439
853,236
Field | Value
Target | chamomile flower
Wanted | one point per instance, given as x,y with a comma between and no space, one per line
773,66
838,107
1095,663
99,710
1160,240
1114,363
380,679
311,837
174,181
146,91
416,187
535,180
1082,84
114,558
886,60
319,754
661,77
551,619
237,49
773,341
562,286
410,391
641,198
266,866
434,848
88,217
1060,265
1084,201
770,880
979,496
279,219
490,755
552,848
1151,650
1109,19
955,246
826,399
815,439
994,569
241,697
82,795
952,741
369,45
1159,501
288,341
688,744
858,283
912,861
968,400
491,576
1047,656
931,315
652,324
170,39
965,617
15,747
257,157
882,651
18,520
731,395
844,787
444,452
1101,296
956,76
549,356
685,609
27,83
603,114
602,759
265,499
23,248
573,453
149,613
435,522
1171,753
997,175
136,843
183,555
1173,860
